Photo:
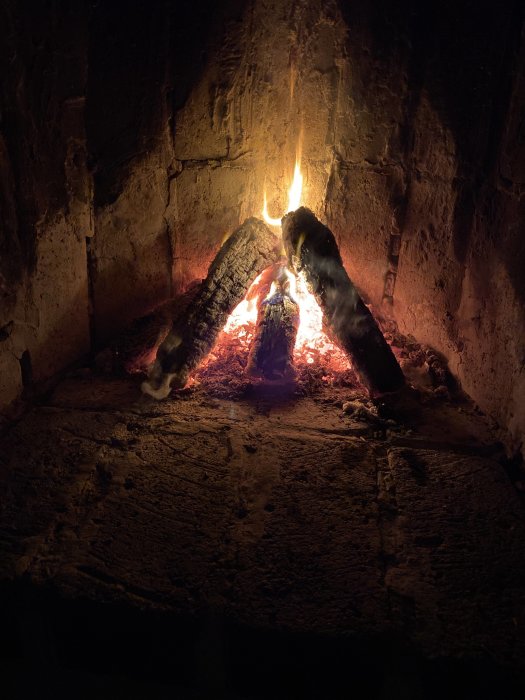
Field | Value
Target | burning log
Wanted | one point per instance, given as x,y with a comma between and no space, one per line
271,353
250,249
311,247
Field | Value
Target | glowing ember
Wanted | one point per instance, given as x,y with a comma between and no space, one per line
312,344
241,322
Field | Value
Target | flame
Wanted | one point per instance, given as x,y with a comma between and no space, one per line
273,290
312,344
294,194
241,321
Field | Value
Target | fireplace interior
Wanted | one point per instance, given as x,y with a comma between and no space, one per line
262,348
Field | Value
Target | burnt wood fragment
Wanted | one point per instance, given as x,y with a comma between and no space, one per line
312,248
271,353
248,251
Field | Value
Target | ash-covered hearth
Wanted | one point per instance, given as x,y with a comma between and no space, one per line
262,340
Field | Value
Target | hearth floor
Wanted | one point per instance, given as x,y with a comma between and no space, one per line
278,515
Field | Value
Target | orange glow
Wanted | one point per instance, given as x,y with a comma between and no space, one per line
294,194
312,344
312,347
241,321
240,325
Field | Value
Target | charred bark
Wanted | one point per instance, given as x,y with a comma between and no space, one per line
271,354
250,249
311,247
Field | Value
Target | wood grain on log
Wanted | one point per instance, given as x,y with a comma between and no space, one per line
248,251
312,248
271,353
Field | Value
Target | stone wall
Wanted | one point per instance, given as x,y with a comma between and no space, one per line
45,193
130,142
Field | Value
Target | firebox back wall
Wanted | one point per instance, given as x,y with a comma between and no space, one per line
411,149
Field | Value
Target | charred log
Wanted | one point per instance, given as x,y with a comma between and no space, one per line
250,249
271,354
311,247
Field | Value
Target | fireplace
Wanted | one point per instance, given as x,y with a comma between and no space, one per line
325,290
262,337
138,182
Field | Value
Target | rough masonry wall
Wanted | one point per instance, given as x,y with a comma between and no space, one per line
87,97
458,285
45,193
129,136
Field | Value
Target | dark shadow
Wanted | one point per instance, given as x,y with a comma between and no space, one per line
58,646
144,58
464,56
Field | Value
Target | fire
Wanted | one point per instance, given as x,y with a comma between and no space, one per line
313,348
241,321
269,220
296,189
312,344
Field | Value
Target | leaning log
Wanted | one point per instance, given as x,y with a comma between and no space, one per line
271,353
250,249
312,248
